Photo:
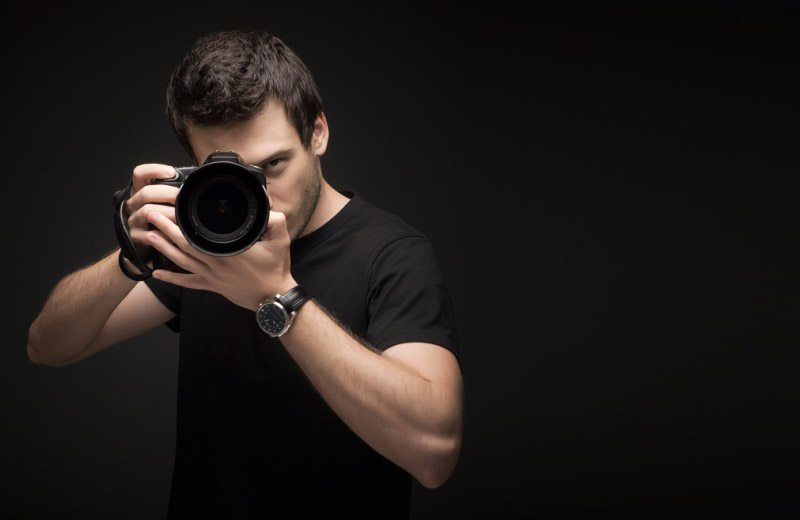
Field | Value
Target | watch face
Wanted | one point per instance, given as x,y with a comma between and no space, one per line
272,318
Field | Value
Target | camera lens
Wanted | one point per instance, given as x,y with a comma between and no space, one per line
222,209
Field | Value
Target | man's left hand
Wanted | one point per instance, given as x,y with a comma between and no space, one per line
246,279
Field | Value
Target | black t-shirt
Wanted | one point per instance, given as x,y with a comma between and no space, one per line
254,436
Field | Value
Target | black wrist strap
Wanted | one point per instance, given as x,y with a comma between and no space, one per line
126,245
127,272
293,299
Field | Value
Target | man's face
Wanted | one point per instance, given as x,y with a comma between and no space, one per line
269,140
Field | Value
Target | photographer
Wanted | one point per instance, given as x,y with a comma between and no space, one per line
335,410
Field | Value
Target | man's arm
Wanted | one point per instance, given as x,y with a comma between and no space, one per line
412,420
76,310
90,310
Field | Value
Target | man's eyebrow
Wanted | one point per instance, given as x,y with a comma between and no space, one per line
286,151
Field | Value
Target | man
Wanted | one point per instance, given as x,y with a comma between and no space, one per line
363,390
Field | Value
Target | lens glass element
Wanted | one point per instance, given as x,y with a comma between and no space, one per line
222,207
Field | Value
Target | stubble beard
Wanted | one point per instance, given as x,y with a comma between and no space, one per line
310,197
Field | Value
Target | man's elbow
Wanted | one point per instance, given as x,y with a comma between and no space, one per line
35,357
441,463
32,354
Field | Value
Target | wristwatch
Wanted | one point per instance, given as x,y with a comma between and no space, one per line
276,315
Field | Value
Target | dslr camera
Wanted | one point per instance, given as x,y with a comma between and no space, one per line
222,209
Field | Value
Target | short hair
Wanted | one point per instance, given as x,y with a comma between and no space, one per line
228,76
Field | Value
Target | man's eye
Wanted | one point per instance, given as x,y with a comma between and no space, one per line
273,162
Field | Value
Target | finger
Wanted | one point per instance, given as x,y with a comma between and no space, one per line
175,235
139,223
141,219
143,173
276,222
277,232
157,193
192,281
276,219
182,259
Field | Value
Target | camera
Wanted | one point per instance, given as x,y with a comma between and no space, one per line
222,209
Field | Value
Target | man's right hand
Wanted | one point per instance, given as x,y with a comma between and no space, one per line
146,198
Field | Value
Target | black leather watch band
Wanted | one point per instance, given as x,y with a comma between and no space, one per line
293,299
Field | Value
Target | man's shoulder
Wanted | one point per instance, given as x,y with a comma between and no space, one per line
382,226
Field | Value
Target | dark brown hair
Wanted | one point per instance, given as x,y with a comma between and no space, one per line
227,76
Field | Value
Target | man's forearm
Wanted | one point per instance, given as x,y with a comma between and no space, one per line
76,310
392,408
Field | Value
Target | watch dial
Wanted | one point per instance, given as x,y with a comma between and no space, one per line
272,318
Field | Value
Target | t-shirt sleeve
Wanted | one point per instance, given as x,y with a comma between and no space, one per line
170,295
407,299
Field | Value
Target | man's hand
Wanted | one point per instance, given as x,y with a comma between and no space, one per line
246,279
146,198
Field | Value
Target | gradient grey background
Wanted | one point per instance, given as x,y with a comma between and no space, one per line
611,192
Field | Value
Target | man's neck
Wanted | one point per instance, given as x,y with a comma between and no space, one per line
329,204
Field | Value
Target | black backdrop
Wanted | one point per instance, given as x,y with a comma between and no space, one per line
611,192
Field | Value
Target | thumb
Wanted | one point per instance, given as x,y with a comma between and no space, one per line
276,226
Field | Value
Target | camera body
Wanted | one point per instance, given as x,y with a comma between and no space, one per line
222,209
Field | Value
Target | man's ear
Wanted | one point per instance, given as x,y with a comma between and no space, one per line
319,138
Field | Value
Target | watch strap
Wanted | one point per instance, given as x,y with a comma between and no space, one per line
293,299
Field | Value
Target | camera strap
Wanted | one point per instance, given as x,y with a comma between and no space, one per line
127,247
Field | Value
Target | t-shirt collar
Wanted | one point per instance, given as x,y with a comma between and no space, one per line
329,227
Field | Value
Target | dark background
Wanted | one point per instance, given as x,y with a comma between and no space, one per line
610,190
